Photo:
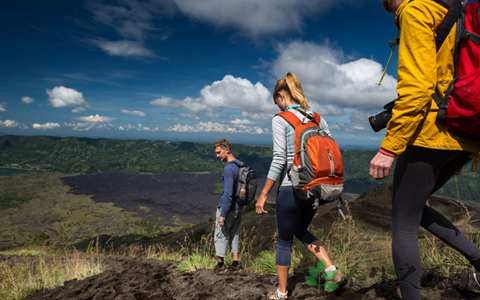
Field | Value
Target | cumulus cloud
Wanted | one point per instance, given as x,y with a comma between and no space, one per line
136,113
329,78
86,126
162,101
138,127
230,92
124,48
27,99
8,123
2,108
134,19
257,17
240,122
217,127
61,96
45,126
95,119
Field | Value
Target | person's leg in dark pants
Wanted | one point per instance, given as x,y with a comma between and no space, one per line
440,226
286,210
414,179
419,172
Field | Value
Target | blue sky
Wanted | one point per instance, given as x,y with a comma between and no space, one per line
188,69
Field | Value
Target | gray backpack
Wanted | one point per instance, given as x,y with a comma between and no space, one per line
246,184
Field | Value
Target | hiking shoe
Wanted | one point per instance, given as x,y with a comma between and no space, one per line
476,279
220,268
235,268
277,295
340,279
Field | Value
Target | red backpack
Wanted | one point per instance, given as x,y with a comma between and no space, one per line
460,108
317,169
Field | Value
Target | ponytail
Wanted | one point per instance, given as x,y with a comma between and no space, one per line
291,84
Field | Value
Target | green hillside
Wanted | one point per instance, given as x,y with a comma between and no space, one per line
72,155
84,155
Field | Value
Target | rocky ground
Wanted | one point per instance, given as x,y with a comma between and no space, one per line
136,278
143,279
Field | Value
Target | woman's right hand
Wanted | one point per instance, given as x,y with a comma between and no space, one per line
260,204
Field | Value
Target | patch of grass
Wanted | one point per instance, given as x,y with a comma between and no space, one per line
21,278
162,254
30,251
195,262
264,263
55,217
145,209
10,200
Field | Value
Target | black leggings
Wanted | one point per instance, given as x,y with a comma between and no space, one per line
420,172
293,218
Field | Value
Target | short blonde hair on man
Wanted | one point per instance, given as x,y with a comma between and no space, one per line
224,143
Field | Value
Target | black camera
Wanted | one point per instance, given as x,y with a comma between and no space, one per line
380,120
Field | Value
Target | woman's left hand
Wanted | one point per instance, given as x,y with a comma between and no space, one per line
260,204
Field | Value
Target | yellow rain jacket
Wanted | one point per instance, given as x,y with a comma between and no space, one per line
420,68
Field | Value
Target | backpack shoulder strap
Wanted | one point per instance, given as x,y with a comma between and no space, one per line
316,117
291,118
455,8
239,163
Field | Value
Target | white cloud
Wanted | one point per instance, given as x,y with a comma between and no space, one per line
255,17
330,79
45,126
258,116
61,96
86,126
95,119
162,101
136,113
216,127
8,123
132,19
138,127
2,108
241,122
27,99
124,48
230,92
79,109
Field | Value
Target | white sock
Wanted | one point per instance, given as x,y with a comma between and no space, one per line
331,268
281,294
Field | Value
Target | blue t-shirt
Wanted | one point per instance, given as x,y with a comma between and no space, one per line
230,179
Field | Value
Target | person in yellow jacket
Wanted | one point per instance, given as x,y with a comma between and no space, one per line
426,154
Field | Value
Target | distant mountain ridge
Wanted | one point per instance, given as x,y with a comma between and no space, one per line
73,155
78,155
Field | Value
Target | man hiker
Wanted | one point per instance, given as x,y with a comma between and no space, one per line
228,216
427,153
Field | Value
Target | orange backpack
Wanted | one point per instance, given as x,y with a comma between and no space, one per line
317,169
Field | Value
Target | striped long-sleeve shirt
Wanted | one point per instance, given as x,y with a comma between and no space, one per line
283,135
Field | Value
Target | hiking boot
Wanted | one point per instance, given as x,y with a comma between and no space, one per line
476,280
338,279
277,295
235,268
220,268
475,284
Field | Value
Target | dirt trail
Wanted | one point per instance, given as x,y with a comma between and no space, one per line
135,279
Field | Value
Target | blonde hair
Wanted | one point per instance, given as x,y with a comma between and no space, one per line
224,144
292,85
